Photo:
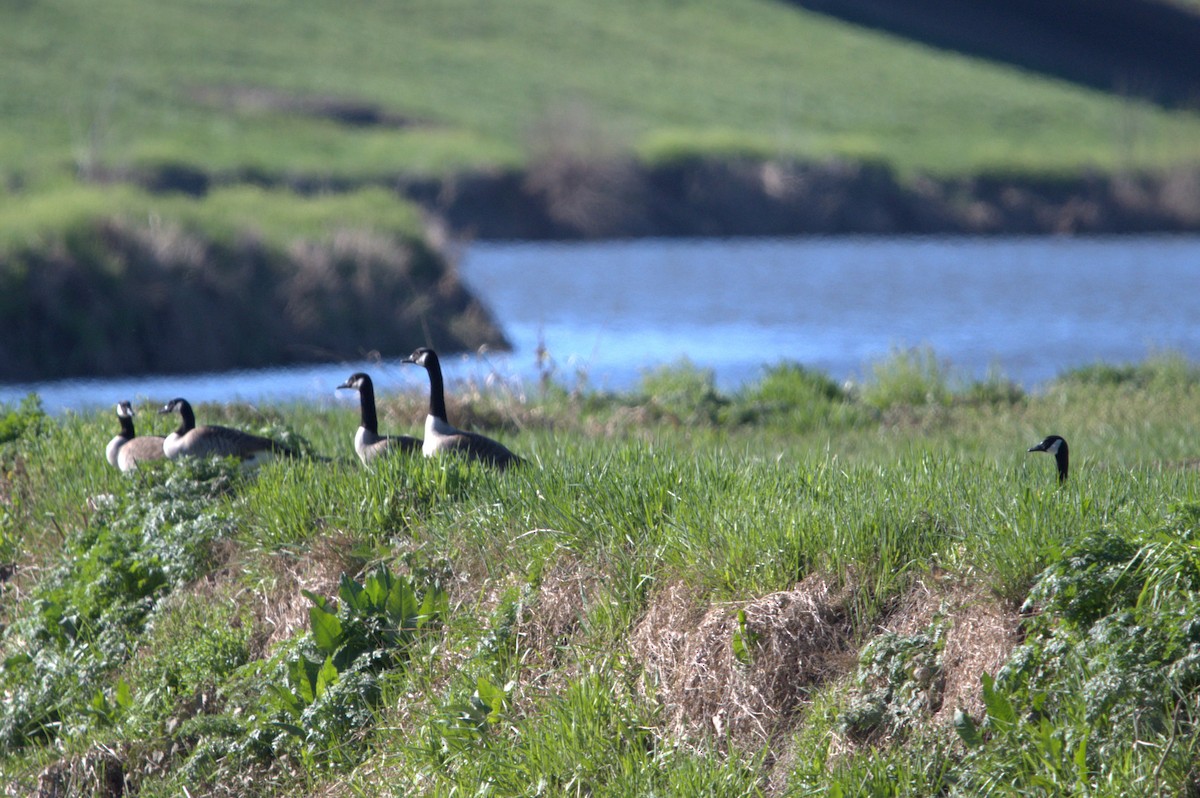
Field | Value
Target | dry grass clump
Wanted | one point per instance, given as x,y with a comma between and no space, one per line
100,773
795,641
553,618
283,610
980,631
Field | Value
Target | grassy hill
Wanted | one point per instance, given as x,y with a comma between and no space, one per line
786,591
311,86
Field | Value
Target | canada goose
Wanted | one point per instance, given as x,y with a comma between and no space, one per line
368,443
211,440
127,450
1057,446
440,436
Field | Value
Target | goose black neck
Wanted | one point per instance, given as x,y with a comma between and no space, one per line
437,395
366,401
188,418
1063,459
127,427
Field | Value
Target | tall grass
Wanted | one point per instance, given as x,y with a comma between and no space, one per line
528,679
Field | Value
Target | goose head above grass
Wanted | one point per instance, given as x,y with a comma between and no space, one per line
1057,446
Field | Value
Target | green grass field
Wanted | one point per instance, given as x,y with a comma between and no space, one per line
223,86
790,590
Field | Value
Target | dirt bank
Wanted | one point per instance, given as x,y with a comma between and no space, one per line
703,197
573,199
117,298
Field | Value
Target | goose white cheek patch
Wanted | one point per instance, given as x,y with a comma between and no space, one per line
1054,447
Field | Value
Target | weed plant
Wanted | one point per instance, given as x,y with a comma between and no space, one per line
434,627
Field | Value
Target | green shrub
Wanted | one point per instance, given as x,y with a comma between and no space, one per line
993,389
800,398
910,377
684,392
1109,675
28,416
89,610
322,688
1162,371
897,684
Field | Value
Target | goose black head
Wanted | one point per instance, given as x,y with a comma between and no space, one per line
356,381
1057,446
124,410
174,406
421,356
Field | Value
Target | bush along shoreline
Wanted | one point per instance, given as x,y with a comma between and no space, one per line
112,294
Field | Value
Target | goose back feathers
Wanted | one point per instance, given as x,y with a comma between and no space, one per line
126,450
215,441
441,435
368,443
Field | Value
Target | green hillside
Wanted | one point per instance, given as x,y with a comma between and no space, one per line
440,85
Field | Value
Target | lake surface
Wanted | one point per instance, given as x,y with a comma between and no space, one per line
605,312
1031,307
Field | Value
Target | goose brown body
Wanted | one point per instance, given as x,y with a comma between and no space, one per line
441,435
368,443
127,449
211,440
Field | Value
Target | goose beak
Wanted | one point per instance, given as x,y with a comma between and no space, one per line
162,411
1041,447
345,385
408,359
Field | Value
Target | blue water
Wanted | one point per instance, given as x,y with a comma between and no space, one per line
605,312
1030,307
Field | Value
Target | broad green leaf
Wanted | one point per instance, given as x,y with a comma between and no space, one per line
742,640
351,593
304,675
999,708
320,601
1081,766
406,608
965,726
289,700
431,606
396,600
379,584
492,696
124,696
326,629
292,729
325,677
